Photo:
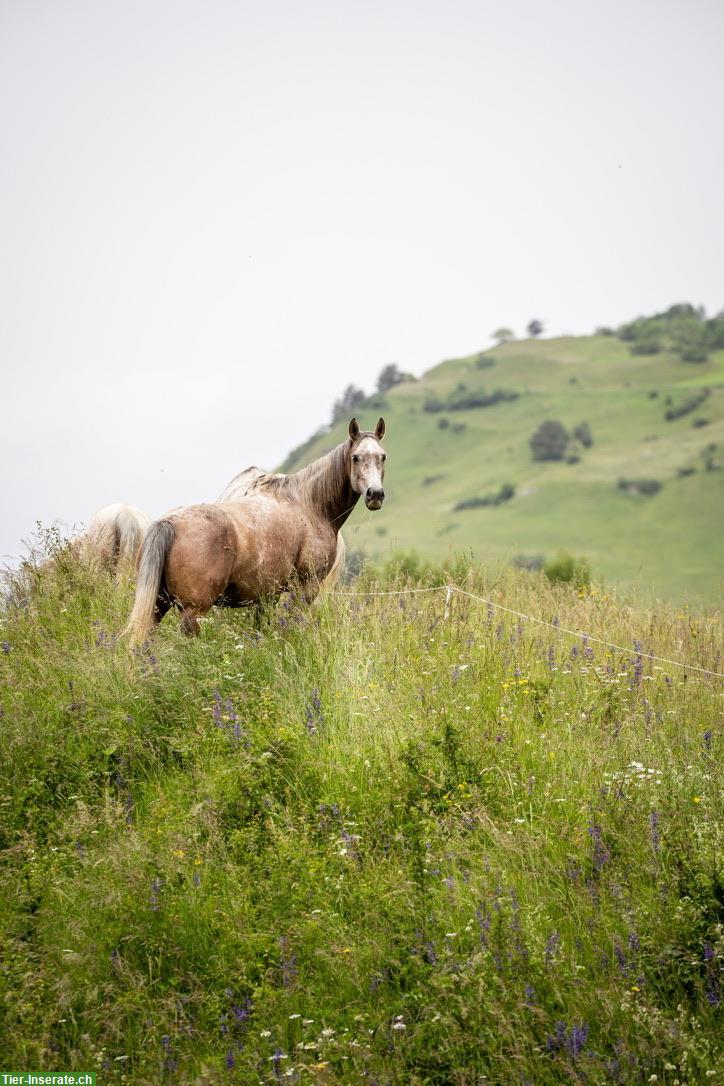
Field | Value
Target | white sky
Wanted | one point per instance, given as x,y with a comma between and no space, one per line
214,216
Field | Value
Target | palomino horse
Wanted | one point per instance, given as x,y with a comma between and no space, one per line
113,538
280,535
246,482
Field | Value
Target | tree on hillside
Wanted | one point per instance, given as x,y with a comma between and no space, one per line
690,338
550,441
503,335
390,376
582,433
347,404
535,328
715,331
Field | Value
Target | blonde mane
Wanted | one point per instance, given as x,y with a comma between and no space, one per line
319,486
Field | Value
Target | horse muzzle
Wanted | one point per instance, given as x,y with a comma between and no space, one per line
374,497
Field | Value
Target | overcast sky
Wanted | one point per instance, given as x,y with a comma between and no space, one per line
214,216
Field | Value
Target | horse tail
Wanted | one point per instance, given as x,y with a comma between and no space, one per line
130,531
337,568
151,562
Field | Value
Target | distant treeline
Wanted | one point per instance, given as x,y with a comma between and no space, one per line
683,329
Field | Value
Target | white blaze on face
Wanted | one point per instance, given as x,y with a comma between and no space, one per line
368,471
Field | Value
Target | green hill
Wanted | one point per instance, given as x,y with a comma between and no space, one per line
594,501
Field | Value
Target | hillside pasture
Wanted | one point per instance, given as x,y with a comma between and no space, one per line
389,840
667,546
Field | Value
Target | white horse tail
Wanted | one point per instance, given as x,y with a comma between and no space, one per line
156,545
336,570
131,527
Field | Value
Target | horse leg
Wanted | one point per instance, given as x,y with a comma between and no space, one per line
190,621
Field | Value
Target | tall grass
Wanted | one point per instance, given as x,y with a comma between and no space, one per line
361,843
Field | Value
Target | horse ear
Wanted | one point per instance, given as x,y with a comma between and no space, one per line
354,429
380,430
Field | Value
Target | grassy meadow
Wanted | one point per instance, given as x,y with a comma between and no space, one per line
373,842
663,546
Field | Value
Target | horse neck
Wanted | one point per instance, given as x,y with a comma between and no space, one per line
324,486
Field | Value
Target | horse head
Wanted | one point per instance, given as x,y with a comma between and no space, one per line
367,463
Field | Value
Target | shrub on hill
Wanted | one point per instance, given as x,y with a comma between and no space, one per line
647,487
564,567
582,433
392,375
646,340
464,399
715,329
682,329
506,492
550,441
483,362
351,399
690,339
686,406
443,423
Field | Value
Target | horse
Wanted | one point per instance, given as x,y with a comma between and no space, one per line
113,538
245,482
281,535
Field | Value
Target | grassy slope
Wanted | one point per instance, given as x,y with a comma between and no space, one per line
370,844
668,545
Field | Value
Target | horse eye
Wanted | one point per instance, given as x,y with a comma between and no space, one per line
355,459
384,456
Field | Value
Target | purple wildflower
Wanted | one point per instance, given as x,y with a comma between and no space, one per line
530,996
638,666
570,1041
216,711
601,854
288,963
6,647
551,657
156,887
350,841
552,947
313,715
654,831
170,1064
430,955
483,918
707,739
230,1061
